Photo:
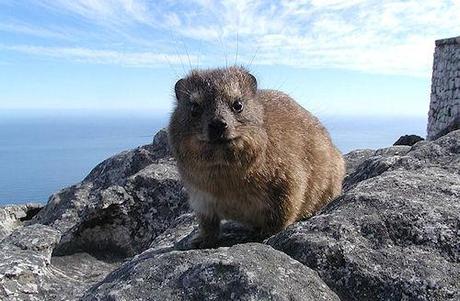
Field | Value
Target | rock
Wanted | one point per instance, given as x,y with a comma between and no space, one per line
243,272
85,230
354,158
177,236
395,233
116,211
408,140
181,232
28,272
121,206
76,273
24,259
38,238
364,164
397,150
438,152
160,140
14,216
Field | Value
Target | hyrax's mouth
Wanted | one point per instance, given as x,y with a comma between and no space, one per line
222,141
217,152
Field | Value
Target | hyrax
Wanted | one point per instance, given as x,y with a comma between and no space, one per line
250,155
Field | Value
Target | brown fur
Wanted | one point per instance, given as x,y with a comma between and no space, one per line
277,166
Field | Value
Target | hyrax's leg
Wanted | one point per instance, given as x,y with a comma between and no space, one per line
284,201
209,223
209,226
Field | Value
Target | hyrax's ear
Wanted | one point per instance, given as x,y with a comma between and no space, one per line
179,88
253,82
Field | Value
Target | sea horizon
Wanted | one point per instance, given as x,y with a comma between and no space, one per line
42,152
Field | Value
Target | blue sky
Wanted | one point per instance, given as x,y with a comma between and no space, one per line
335,57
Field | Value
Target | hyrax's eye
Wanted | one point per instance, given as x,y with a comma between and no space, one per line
237,106
195,109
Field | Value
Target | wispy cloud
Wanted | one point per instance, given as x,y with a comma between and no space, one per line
23,28
113,11
391,37
133,59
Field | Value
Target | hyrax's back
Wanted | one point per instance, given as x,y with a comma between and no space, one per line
304,152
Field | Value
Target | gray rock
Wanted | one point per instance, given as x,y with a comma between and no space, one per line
38,238
30,275
14,216
395,234
354,158
116,211
161,141
121,206
177,236
29,272
364,164
24,260
242,272
75,274
21,273
443,152
408,140
396,150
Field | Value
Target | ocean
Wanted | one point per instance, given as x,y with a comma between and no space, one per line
40,154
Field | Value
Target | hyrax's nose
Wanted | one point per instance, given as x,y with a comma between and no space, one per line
217,128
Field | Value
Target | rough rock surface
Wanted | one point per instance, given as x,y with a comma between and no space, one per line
408,140
371,164
115,212
242,272
29,272
395,233
39,238
354,158
14,216
121,206
24,258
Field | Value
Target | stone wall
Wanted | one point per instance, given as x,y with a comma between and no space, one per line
444,114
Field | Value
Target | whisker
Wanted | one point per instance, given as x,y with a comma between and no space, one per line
253,57
176,50
224,48
171,66
199,55
236,56
188,56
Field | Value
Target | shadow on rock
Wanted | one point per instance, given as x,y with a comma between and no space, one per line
184,228
231,233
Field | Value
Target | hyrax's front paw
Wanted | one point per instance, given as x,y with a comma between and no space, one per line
204,242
